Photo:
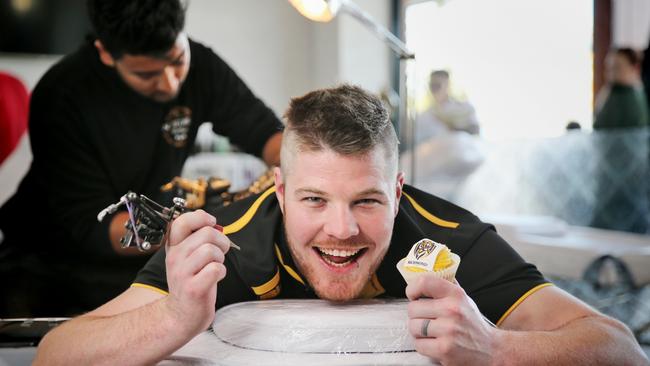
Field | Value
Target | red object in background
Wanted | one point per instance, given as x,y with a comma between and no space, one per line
14,106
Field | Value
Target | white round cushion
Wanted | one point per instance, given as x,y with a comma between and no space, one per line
306,332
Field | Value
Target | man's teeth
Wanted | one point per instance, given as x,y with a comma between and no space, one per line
339,253
343,257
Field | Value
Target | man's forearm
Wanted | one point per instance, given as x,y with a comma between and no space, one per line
141,336
585,341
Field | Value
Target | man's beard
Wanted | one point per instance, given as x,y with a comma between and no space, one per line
343,287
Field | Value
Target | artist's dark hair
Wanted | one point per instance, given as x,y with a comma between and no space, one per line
345,119
138,27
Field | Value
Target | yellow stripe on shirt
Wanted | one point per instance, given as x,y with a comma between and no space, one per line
248,216
268,286
429,216
521,299
149,287
289,270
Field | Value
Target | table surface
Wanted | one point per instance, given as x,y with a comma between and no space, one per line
24,356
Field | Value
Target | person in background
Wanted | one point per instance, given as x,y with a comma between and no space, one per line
621,146
645,70
622,102
446,112
447,145
334,226
119,114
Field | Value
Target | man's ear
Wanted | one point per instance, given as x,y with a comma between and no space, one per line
279,186
399,185
105,56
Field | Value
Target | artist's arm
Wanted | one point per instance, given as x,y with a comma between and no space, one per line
271,152
548,327
116,231
141,326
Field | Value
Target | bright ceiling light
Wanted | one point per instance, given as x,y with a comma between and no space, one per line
317,10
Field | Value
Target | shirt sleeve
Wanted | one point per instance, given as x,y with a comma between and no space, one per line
230,290
239,114
496,277
154,273
69,172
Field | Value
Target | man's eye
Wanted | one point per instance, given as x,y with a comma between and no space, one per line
314,200
367,202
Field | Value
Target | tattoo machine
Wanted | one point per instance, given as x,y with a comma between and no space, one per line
149,221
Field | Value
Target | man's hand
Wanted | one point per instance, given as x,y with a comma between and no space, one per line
144,320
446,323
194,261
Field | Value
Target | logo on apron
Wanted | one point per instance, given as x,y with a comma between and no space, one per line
176,128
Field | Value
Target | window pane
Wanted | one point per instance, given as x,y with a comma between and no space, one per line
526,66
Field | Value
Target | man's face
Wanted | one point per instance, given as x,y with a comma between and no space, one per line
438,83
158,78
620,70
338,215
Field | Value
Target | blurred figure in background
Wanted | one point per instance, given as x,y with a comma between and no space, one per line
446,112
645,70
621,146
447,147
622,102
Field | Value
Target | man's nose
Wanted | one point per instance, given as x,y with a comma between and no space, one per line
341,223
168,82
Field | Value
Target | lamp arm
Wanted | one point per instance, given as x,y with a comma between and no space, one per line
393,42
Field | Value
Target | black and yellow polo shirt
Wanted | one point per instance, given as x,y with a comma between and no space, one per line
491,272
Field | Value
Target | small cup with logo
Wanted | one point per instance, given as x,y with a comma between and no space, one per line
429,257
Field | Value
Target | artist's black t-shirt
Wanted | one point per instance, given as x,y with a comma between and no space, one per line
490,271
93,139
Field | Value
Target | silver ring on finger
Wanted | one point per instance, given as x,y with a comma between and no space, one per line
424,330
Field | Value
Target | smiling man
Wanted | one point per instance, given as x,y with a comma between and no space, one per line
334,226
121,113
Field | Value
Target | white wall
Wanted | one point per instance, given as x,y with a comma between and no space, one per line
280,54
266,42
28,68
630,23
364,59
